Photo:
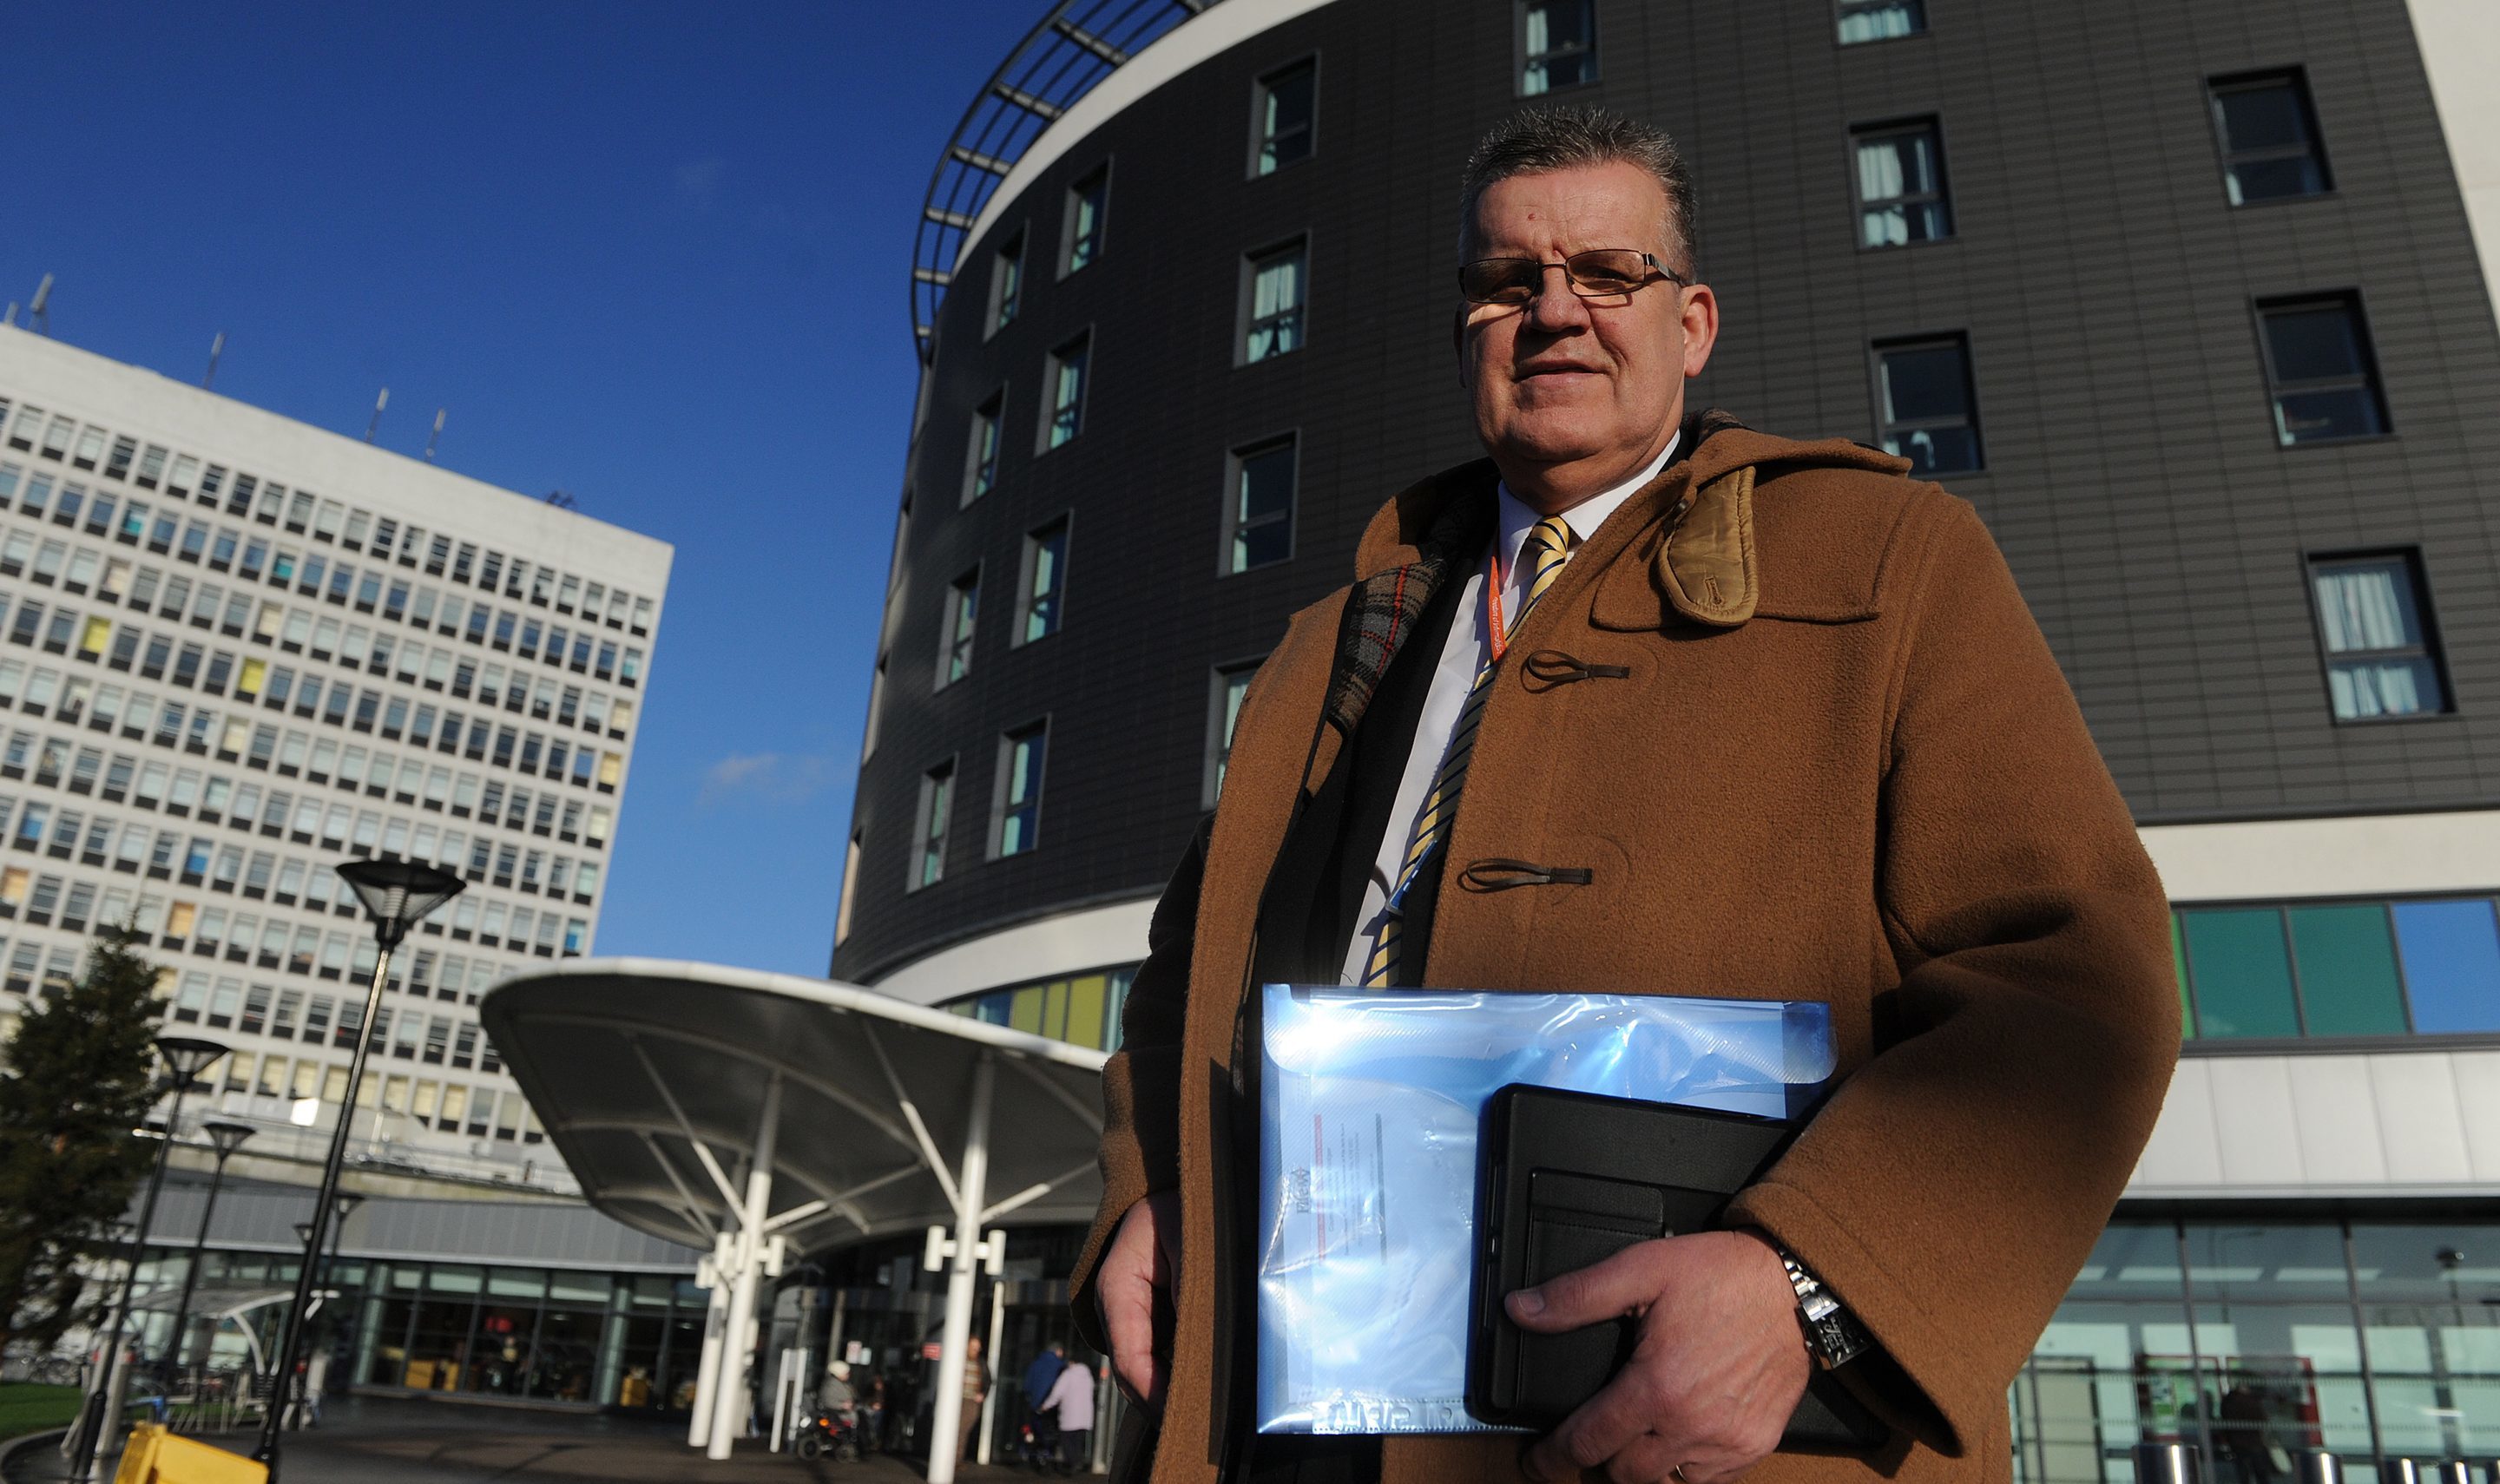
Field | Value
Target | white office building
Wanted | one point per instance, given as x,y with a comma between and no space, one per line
236,650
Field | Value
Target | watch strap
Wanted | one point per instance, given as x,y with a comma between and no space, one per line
1832,1334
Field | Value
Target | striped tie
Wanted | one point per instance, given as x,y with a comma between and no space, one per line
1547,547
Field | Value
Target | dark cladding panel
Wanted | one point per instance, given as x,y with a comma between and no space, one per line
2104,285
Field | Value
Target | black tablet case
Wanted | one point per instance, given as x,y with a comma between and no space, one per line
1569,1179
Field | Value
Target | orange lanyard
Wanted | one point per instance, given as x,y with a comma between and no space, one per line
1498,640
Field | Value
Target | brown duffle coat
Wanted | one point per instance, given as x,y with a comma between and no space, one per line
1807,743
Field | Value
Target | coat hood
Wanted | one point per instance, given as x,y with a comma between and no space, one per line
1705,565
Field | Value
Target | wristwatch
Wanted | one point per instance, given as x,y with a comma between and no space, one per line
1832,1335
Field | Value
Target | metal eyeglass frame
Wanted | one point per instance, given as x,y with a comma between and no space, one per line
1571,278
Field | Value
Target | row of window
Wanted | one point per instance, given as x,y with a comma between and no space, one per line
1016,806
436,1040
2411,966
273,943
368,589
1083,1008
2321,380
431,1102
62,440
150,783
2380,654
165,854
2264,127
299,631
2416,966
280,688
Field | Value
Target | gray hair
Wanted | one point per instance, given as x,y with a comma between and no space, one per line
1533,141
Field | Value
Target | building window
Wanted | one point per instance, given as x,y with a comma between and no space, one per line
1901,194
2404,966
1924,408
1086,201
1288,99
1867,20
2268,134
2381,654
1006,283
1558,44
1044,581
955,632
850,891
1018,806
875,709
1066,378
982,461
1223,712
929,833
1272,301
1258,516
2318,365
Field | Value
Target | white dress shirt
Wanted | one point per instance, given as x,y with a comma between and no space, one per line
1462,656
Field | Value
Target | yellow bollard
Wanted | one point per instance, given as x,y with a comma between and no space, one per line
155,1456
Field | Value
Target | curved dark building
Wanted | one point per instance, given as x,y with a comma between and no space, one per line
2192,301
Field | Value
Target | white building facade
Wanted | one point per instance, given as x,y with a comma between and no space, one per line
236,650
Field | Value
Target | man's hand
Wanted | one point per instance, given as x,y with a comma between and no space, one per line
1135,1278
1714,1378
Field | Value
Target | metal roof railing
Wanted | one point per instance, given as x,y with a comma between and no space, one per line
1062,59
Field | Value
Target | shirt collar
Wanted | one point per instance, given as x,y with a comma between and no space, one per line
1584,518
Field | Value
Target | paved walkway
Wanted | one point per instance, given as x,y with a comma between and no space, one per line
386,1441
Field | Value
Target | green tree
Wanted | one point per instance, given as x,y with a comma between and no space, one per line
77,1078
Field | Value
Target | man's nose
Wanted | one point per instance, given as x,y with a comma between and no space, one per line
1556,310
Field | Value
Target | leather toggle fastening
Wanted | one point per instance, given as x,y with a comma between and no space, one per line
1548,668
1501,874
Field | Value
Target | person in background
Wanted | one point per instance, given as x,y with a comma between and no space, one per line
1039,1379
1044,1369
1070,1406
835,1398
976,1388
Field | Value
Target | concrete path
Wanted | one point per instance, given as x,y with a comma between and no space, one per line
386,1440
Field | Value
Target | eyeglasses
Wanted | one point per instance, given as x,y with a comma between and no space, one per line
1601,273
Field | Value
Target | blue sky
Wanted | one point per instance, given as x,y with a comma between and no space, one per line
654,255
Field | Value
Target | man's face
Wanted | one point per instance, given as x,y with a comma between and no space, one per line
1575,389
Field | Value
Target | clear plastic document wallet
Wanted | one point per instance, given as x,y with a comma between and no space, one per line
1370,1105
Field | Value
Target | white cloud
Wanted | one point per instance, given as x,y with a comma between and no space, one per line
778,778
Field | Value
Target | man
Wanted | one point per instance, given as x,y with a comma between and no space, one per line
1039,1379
976,1388
1070,1406
1652,702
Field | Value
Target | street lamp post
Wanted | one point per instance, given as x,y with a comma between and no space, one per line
397,895
185,1057
339,1209
228,1137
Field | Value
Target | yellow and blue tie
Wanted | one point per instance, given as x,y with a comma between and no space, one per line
1547,547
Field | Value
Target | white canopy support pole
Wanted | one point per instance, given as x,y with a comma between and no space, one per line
707,1369
946,1425
990,1398
1035,1191
730,1396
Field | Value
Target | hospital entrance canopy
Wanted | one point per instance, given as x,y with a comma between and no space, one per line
657,1082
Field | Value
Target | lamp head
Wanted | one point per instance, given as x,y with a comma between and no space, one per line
399,894
187,1056
228,1136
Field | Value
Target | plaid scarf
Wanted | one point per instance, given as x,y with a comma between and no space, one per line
1385,607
